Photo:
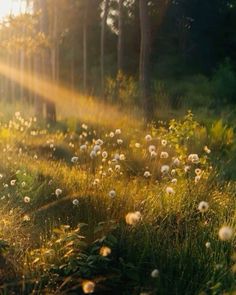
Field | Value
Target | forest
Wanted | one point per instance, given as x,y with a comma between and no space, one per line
117,147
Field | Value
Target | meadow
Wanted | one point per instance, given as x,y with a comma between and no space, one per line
91,209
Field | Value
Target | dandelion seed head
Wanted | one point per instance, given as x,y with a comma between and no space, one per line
132,218
58,192
75,202
225,233
170,190
165,169
26,199
147,174
203,206
112,194
155,273
105,251
88,287
164,155
148,137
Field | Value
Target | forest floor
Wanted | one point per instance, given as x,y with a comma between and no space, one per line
90,209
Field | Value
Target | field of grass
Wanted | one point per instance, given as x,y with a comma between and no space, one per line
85,209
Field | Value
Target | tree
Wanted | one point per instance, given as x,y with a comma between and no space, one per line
144,62
103,28
121,37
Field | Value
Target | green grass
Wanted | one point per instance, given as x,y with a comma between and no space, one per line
55,243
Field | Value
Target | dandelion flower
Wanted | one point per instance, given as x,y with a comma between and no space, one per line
118,131
122,157
132,218
97,148
117,168
165,169
88,287
164,142
99,142
137,145
26,199
104,155
112,194
93,154
148,137
225,233
119,141
75,202
198,171
208,245
170,190
105,251
164,155
193,158
153,154
207,150
147,174
174,180
155,273
151,148
13,182
112,134
83,147
176,162
26,218
197,178
74,159
203,206
58,192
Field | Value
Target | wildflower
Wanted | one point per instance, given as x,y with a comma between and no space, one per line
13,182
208,245
153,154
84,126
193,158
117,168
58,192
176,162
165,169
117,157
173,172
75,202
151,148
197,178
186,168
164,155
74,159
118,131
93,154
83,147
119,141
110,170
112,134
203,206
198,171
207,150
147,174
105,251
155,273
137,145
174,180
26,199
26,218
225,233
104,155
170,190
99,142
23,184
97,148
96,181
122,157
132,218
112,194
88,287
164,142
148,137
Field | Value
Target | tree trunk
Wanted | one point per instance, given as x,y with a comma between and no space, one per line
103,28
120,51
85,62
144,63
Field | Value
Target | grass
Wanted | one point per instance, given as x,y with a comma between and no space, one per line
56,238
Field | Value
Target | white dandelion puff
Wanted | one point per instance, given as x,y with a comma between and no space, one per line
170,190
132,218
112,194
225,233
155,273
165,169
88,287
164,155
203,206
58,192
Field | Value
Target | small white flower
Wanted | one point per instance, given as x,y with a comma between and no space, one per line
26,199
132,218
112,134
164,142
207,150
83,147
165,169
75,202
164,155
225,233
104,155
74,159
58,192
176,162
193,158
170,190
148,137
13,182
93,154
155,273
88,287
122,157
105,251
208,245
147,174
112,194
119,141
118,131
137,145
151,148
203,206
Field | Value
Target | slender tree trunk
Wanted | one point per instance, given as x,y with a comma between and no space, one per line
103,29
120,51
85,41
144,63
